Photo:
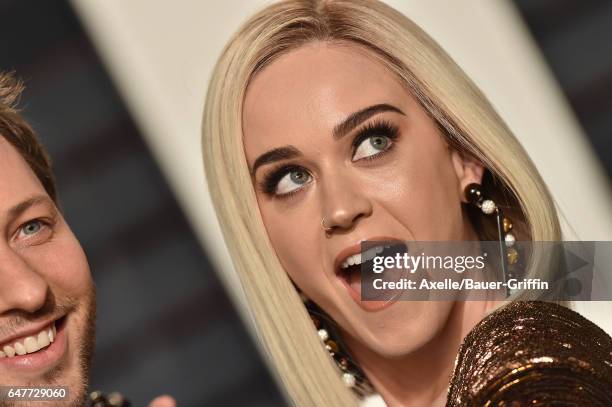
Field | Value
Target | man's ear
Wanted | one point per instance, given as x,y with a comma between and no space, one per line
467,169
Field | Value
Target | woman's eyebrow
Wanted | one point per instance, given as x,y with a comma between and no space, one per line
355,119
281,153
340,130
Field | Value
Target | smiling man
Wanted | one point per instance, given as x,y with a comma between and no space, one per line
47,299
47,296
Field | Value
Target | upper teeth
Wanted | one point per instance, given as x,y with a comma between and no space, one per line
30,344
361,257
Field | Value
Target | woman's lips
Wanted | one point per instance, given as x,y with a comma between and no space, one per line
351,279
33,353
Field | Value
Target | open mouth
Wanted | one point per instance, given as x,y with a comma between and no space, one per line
32,343
350,269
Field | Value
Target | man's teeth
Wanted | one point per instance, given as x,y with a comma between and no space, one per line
362,257
30,344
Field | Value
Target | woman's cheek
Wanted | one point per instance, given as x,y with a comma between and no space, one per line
303,263
291,250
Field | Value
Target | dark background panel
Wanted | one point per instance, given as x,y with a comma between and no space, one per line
575,37
164,323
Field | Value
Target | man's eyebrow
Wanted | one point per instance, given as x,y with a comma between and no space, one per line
23,206
355,119
281,153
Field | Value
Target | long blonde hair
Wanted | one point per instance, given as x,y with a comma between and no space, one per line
468,120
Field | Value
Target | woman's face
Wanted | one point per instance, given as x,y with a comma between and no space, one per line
385,173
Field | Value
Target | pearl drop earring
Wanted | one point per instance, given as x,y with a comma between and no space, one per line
509,254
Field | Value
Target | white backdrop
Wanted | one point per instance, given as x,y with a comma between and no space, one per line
161,53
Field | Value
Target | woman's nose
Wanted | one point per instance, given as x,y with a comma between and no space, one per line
21,287
344,203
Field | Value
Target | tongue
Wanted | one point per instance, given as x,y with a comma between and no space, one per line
354,279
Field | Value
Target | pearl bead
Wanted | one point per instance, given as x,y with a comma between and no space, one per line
323,335
488,207
510,239
348,379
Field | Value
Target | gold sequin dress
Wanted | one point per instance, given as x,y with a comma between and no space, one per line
532,353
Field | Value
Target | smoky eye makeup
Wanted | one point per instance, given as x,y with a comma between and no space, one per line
269,183
378,128
381,133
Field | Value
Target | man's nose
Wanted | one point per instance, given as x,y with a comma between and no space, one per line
22,288
344,202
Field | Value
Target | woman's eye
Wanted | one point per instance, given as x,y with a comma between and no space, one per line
292,181
371,146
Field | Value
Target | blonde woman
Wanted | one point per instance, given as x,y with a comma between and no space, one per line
330,123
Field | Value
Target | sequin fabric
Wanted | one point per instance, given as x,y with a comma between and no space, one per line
532,353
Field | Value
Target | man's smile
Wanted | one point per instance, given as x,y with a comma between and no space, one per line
29,344
35,349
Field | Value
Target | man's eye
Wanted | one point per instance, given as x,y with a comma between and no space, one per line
31,228
371,146
292,181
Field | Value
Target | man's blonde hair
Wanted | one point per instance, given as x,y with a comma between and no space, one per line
15,130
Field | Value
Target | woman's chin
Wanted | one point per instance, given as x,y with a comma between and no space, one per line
396,350
402,329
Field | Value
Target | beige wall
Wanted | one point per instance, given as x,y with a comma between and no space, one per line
161,53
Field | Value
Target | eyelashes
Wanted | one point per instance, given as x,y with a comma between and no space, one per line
270,182
35,231
377,128
380,128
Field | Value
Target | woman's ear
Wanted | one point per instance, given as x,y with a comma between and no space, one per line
467,169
